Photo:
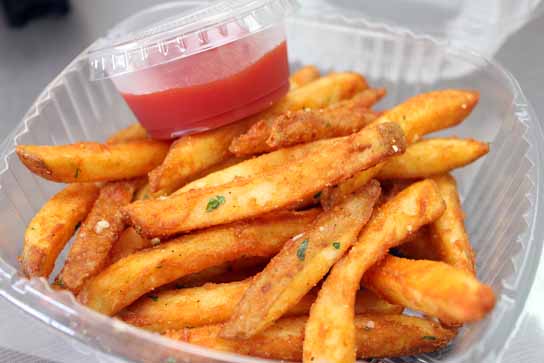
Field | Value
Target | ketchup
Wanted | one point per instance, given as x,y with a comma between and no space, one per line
177,111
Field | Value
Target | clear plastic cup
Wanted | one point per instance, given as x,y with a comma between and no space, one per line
167,70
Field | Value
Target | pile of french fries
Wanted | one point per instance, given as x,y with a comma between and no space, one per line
301,233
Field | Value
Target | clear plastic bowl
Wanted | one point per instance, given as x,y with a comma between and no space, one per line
501,193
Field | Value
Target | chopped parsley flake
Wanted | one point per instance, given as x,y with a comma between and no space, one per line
428,337
328,124
214,203
336,245
317,195
301,252
154,297
170,360
77,173
58,281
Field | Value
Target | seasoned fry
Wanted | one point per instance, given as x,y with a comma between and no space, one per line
126,280
339,119
318,94
419,246
330,333
90,162
130,133
53,226
434,288
94,240
335,160
300,264
304,76
129,242
215,303
418,116
431,157
376,336
190,155
448,234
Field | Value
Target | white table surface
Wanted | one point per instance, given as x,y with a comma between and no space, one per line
31,57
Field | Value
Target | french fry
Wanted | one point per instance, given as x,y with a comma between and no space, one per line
96,236
130,133
304,76
419,246
418,116
334,160
434,288
53,226
91,162
301,263
190,155
292,128
128,242
448,234
133,276
431,157
330,332
376,336
318,94
215,303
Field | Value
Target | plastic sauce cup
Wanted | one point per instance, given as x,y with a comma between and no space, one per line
200,70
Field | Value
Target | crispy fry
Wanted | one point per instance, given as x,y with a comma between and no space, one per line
330,333
300,264
130,133
334,160
431,157
190,155
418,116
434,288
419,246
339,119
304,76
318,94
129,242
90,162
377,336
125,281
53,226
215,303
99,231
448,234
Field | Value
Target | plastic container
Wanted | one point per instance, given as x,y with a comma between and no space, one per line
502,193
168,63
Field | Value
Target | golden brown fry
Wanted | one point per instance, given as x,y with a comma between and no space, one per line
318,94
330,333
431,157
334,160
301,263
90,162
53,226
303,76
128,242
125,281
419,246
377,336
448,234
434,288
292,128
130,133
99,231
190,155
215,303
418,116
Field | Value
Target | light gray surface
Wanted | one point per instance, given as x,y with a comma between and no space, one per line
31,57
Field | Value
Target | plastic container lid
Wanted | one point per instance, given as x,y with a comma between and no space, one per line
129,46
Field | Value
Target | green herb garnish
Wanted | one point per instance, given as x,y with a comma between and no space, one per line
154,297
214,203
428,337
170,360
301,252
336,245
77,173
58,281
317,195
328,124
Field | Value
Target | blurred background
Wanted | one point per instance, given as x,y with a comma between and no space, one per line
38,38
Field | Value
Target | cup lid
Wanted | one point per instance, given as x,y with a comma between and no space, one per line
155,36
